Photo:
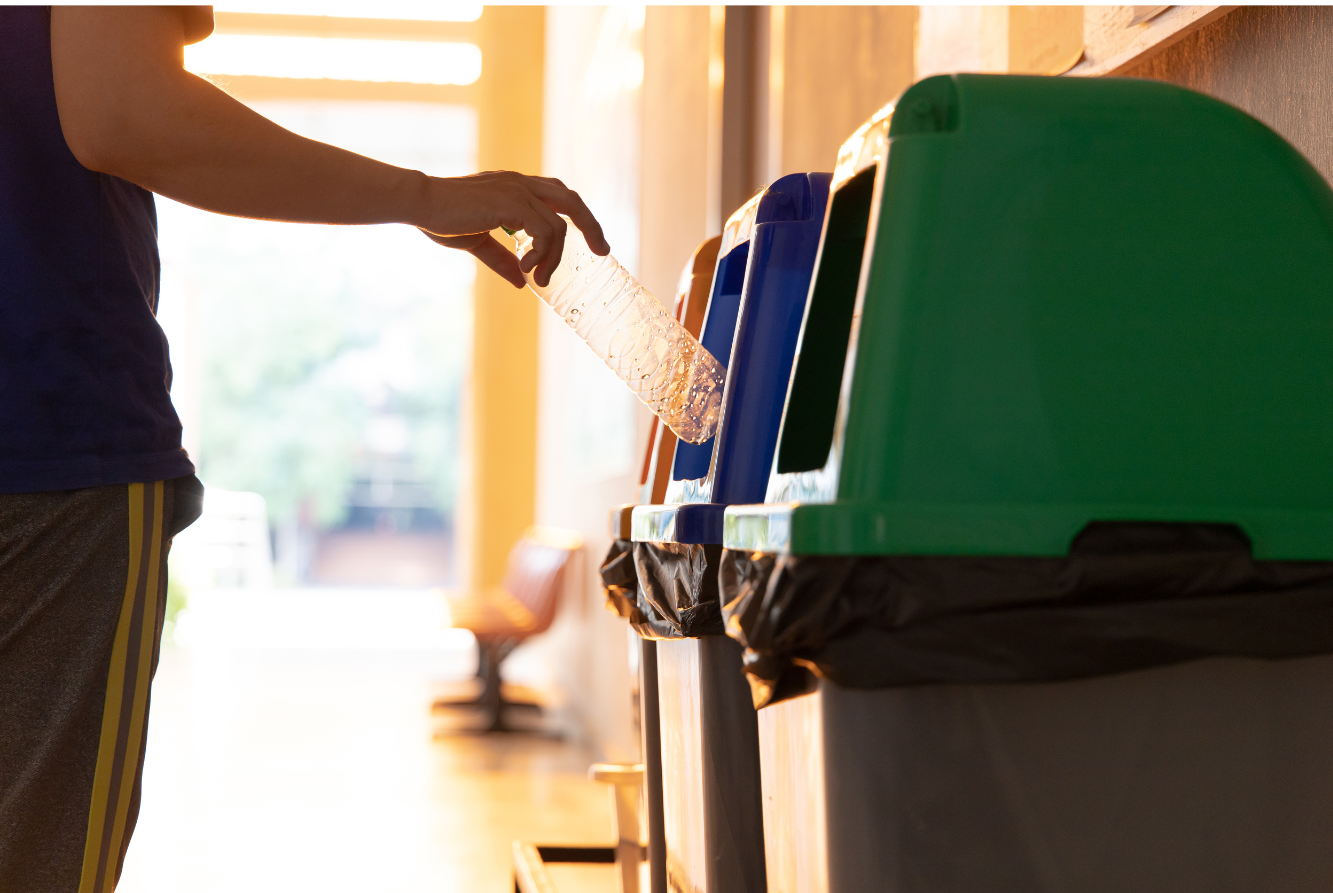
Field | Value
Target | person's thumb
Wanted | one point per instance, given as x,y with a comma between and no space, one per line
500,259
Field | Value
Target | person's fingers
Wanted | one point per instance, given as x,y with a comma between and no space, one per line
538,228
520,211
550,247
559,228
568,202
518,202
500,259
485,248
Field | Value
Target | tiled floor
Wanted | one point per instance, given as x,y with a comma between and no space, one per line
291,749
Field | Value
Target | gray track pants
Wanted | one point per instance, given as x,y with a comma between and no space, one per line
83,580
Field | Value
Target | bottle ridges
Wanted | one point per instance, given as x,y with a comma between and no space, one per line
663,364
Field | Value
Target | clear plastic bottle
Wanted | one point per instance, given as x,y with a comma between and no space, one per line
664,365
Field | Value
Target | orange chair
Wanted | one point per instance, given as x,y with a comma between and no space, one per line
522,606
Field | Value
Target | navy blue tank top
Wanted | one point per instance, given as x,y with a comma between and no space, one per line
84,371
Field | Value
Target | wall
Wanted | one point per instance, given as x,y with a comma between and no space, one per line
675,163
839,65
733,100
1275,62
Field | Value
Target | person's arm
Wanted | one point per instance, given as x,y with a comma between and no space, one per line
129,108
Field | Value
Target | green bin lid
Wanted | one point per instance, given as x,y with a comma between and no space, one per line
1042,302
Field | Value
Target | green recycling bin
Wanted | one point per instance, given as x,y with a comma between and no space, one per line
1041,595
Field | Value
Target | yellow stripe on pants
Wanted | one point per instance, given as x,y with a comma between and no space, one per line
125,711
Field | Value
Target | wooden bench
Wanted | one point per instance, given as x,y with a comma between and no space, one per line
522,606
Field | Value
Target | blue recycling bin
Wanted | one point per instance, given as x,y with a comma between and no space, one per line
753,320
708,727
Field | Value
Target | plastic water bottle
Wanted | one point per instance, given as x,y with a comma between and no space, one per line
664,365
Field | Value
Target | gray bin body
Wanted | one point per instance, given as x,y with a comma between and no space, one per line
1214,776
710,769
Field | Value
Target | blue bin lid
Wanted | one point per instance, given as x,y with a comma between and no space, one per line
764,267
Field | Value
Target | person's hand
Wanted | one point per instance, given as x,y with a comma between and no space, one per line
466,210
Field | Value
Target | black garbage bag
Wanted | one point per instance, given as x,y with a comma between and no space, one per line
678,594
620,582
1128,596
684,586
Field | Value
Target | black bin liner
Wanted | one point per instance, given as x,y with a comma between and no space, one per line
678,582
1128,596
680,599
620,582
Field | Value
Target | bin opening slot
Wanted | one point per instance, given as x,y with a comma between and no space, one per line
812,405
692,459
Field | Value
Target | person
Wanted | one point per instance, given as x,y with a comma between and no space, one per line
97,113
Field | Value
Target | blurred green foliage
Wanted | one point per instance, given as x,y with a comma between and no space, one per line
303,335
276,418
177,599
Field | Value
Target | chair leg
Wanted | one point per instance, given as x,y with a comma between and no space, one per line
490,699
492,703
483,654
485,657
